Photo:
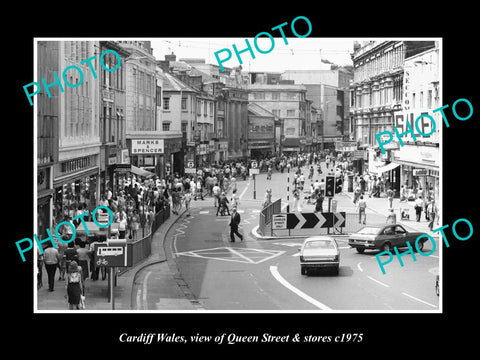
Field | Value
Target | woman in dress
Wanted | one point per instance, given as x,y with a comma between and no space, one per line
74,286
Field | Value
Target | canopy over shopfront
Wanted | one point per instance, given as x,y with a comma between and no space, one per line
141,172
381,169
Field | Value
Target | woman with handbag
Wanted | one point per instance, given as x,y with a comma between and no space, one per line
74,287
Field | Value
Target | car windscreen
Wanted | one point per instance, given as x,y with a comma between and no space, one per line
319,244
369,231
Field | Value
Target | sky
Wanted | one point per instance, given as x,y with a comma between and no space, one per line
299,54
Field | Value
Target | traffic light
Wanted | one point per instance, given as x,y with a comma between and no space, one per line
329,186
338,185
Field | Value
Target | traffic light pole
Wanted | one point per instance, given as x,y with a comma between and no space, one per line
254,188
329,204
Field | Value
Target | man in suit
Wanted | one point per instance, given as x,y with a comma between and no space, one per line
234,222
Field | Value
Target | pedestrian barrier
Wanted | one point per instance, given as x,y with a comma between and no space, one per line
140,249
265,218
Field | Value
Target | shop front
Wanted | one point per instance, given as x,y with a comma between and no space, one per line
420,169
76,186
44,200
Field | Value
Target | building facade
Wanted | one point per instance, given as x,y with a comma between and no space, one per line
419,160
288,103
261,131
77,172
113,151
48,60
378,92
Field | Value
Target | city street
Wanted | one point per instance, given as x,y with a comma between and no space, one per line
264,274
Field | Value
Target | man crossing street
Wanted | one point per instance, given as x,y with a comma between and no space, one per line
234,222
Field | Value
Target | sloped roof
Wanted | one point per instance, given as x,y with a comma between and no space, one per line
171,83
256,109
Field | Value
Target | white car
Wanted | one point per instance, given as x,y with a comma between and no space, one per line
319,252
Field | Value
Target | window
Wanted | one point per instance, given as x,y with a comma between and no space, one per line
290,112
429,99
159,96
166,126
259,95
166,103
276,112
205,108
184,103
275,96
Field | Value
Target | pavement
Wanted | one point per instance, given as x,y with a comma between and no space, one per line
96,292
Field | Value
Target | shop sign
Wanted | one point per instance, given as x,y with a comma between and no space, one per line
190,143
419,172
147,146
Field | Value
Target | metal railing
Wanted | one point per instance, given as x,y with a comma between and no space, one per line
141,248
265,218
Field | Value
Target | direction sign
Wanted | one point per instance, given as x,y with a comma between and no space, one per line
279,221
339,219
254,171
311,220
190,170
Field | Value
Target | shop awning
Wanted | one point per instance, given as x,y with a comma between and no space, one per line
291,142
388,167
141,172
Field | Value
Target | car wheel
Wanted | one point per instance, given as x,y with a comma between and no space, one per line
386,246
360,250
419,246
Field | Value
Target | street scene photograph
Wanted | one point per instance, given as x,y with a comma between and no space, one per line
192,175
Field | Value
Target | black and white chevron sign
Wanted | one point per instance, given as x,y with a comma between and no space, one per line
314,220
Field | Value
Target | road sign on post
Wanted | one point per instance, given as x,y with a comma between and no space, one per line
110,254
254,164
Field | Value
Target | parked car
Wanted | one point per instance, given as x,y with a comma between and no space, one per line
319,252
384,237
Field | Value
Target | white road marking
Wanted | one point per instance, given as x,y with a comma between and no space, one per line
204,212
241,255
244,190
256,210
281,280
144,294
359,267
379,282
417,299
138,299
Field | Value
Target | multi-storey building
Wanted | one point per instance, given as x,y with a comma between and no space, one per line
377,97
288,103
77,173
419,159
151,144
329,92
261,131
48,60
179,112
113,152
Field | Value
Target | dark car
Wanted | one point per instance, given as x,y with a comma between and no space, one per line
385,238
